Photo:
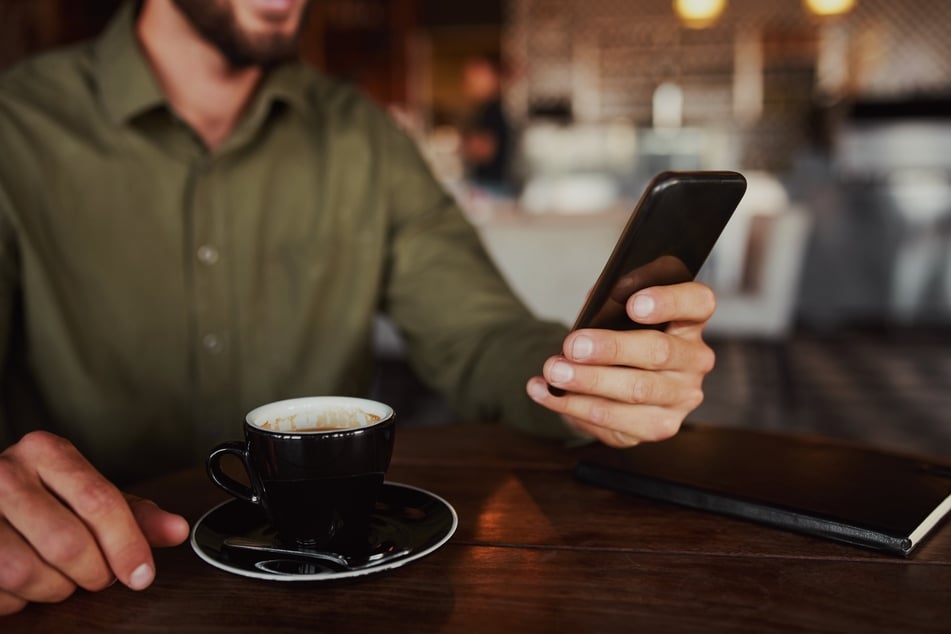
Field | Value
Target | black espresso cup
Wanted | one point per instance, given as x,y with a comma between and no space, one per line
316,467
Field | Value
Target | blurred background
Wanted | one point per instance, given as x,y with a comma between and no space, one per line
546,118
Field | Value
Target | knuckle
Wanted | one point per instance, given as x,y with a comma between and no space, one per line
591,382
694,399
707,359
598,414
614,349
72,552
43,443
660,349
97,499
665,427
641,391
16,573
63,547
620,439
24,576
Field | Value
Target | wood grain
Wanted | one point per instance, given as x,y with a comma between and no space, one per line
535,551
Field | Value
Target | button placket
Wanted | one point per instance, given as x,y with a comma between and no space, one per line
211,296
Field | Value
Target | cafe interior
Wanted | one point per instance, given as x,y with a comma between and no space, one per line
833,280
834,276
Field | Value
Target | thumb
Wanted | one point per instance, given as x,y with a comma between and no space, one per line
160,527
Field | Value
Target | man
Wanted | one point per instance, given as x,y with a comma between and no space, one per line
189,228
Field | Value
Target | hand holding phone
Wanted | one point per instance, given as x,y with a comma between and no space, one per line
666,240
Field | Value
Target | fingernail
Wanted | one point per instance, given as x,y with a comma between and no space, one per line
643,306
537,390
561,372
581,348
141,577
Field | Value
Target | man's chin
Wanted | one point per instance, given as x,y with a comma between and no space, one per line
246,32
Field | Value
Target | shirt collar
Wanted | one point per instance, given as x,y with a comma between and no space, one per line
128,86
286,83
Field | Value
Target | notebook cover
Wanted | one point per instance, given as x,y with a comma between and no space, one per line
854,494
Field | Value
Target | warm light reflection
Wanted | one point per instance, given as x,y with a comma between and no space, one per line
829,7
495,520
699,14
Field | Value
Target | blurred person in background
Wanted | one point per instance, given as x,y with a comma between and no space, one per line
486,132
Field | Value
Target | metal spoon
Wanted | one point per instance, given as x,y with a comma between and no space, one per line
331,560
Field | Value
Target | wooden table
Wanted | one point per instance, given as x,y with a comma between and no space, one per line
535,551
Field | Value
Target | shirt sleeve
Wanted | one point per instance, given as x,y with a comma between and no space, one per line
467,334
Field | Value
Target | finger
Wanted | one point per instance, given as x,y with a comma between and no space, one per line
644,349
10,604
610,437
25,575
99,505
160,527
690,302
609,421
51,529
637,387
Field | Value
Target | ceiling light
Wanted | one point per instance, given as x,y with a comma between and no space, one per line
829,7
699,14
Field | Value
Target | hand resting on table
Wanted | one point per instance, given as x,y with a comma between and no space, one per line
63,526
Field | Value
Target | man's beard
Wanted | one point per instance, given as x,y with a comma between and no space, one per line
215,22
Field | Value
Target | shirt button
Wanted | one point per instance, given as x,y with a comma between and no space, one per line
212,343
208,254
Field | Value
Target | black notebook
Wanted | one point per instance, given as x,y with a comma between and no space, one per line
867,497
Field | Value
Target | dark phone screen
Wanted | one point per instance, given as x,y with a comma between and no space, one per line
666,240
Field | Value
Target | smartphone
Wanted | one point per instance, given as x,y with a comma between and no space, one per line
666,240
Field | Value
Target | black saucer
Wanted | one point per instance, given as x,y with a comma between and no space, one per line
412,522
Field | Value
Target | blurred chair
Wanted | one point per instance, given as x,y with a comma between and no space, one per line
923,200
761,301
726,267
756,265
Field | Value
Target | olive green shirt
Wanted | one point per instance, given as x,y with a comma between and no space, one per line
152,292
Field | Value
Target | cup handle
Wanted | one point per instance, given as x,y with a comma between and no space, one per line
223,480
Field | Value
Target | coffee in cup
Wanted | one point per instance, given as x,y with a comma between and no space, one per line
315,465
